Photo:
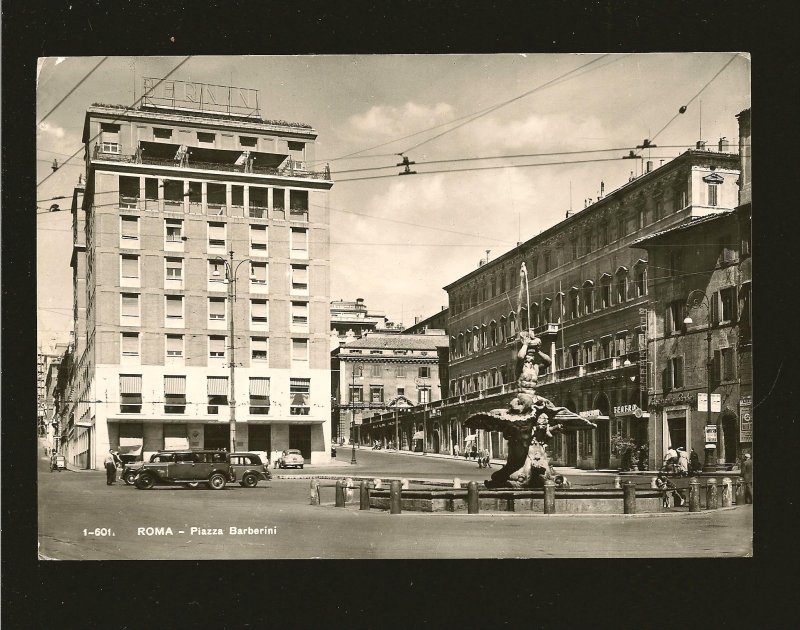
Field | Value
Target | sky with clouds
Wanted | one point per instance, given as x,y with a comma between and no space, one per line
396,241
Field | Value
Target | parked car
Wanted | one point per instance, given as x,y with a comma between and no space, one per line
131,468
211,468
249,469
293,458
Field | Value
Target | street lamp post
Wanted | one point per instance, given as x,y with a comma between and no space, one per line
230,280
710,464
353,416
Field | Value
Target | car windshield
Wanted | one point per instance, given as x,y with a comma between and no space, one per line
294,452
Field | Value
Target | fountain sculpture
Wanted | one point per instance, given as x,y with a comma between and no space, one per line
529,420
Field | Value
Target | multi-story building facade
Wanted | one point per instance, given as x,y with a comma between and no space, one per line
181,210
700,336
386,371
588,301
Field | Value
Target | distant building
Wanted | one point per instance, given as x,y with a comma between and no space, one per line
379,372
350,320
437,321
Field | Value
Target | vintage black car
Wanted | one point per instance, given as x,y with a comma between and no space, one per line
249,469
190,467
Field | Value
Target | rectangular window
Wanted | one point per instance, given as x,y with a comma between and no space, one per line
259,350
676,313
376,393
424,371
640,280
258,273
375,370
424,395
216,274
130,344
259,311
174,346
400,371
298,202
217,390
680,200
129,266
109,139
162,134
130,392
174,230
174,394
675,263
216,234
205,139
605,347
216,347
401,391
130,305
174,270
676,372
723,306
356,394
259,395
129,229
300,314
728,256
622,344
299,238
300,350
712,194
299,396
278,198
174,306
258,239
248,142
300,278
622,288
546,262
216,308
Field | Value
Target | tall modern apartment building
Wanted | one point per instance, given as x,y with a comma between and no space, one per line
182,209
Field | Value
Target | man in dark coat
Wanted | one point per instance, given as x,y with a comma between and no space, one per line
747,475
111,468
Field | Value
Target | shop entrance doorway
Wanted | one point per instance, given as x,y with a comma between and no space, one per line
217,436
300,438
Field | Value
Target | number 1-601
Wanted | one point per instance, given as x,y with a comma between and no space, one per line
98,531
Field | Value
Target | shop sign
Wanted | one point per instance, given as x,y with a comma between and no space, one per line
711,434
702,402
589,413
358,421
628,410
746,419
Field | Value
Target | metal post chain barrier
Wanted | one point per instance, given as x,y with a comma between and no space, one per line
694,494
727,493
377,483
348,492
740,491
653,484
456,483
629,497
617,483
472,498
339,493
394,497
314,492
364,495
712,499
404,483
549,496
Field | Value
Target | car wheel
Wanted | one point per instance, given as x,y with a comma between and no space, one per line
130,478
301,466
216,481
145,482
250,481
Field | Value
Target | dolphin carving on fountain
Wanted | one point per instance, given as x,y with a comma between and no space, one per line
529,420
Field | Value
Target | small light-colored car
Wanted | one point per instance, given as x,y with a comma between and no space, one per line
249,469
292,459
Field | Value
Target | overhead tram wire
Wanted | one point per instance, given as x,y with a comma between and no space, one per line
127,109
450,122
68,94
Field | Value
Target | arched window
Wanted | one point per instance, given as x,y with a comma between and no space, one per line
503,329
453,346
574,303
588,297
461,347
559,307
512,324
523,319
605,290
476,339
484,337
535,323
493,333
547,307
468,344
502,282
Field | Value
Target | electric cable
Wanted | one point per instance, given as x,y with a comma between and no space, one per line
68,94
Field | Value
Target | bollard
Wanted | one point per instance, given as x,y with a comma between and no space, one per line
549,496
339,493
314,492
739,491
617,484
348,492
694,494
377,484
394,497
653,484
711,494
364,495
405,484
629,497
456,482
472,498
726,500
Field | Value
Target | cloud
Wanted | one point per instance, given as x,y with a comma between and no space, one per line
53,131
382,122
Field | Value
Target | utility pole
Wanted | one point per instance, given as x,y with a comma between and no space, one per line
232,353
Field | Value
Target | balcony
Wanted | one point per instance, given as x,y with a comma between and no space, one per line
570,372
609,363
292,169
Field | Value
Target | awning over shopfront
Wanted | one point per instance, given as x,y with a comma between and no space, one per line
134,449
470,438
419,435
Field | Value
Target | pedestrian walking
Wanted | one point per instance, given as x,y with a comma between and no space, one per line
455,450
486,458
747,475
479,457
111,468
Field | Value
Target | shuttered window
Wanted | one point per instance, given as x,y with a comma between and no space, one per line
174,345
216,234
259,311
174,306
258,349
258,271
130,305
129,228
216,347
300,314
258,237
174,268
130,344
130,393
299,349
216,308
299,392
174,394
259,395
300,277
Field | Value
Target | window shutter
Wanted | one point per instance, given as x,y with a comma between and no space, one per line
216,308
716,370
666,378
174,306
130,304
730,366
216,231
678,371
130,343
175,385
715,297
130,227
